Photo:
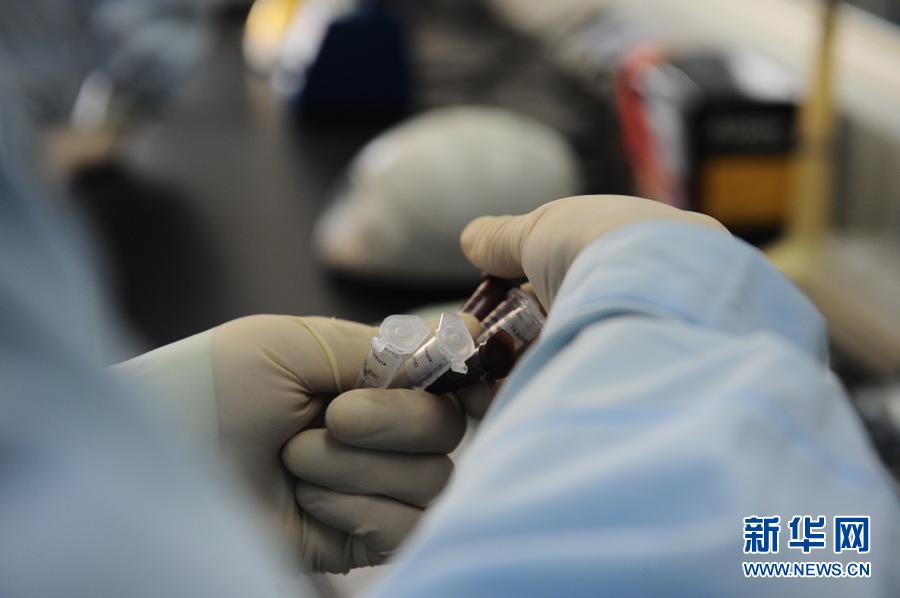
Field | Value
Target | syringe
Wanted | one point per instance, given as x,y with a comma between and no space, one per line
447,350
398,337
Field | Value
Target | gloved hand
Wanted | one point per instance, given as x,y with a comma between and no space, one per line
541,245
251,385
366,479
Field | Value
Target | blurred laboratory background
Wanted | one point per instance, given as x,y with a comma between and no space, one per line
321,156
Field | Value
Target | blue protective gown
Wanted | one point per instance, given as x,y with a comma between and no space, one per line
96,499
679,387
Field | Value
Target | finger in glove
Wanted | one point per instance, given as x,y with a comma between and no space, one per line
315,456
381,523
410,421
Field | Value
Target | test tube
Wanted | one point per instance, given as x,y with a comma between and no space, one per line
489,294
519,314
398,337
492,361
447,350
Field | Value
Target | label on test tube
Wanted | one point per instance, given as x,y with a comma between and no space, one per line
398,337
447,350
520,315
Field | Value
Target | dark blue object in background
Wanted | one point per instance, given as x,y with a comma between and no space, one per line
362,69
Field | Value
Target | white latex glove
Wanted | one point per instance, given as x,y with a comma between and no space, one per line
542,244
250,385
367,478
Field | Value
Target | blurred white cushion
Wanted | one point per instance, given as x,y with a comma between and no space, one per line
408,194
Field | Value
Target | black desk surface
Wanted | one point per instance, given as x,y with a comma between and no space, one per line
209,214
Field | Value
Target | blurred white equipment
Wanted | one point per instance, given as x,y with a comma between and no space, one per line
409,193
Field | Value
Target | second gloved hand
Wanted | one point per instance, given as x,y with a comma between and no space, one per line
542,244
366,479
247,387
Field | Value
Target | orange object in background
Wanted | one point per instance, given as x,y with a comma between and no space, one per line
748,191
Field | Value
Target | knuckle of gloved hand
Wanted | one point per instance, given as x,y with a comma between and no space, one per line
433,482
398,420
310,497
243,337
476,401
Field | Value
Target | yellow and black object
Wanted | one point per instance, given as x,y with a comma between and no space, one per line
711,131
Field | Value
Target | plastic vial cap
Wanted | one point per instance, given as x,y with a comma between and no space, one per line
454,341
402,334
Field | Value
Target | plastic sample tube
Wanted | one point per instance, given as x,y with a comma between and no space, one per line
489,294
520,315
398,337
447,350
493,361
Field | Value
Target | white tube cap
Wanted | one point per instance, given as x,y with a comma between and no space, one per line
401,334
454,341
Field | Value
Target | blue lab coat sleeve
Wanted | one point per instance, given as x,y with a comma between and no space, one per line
96,499
679,387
